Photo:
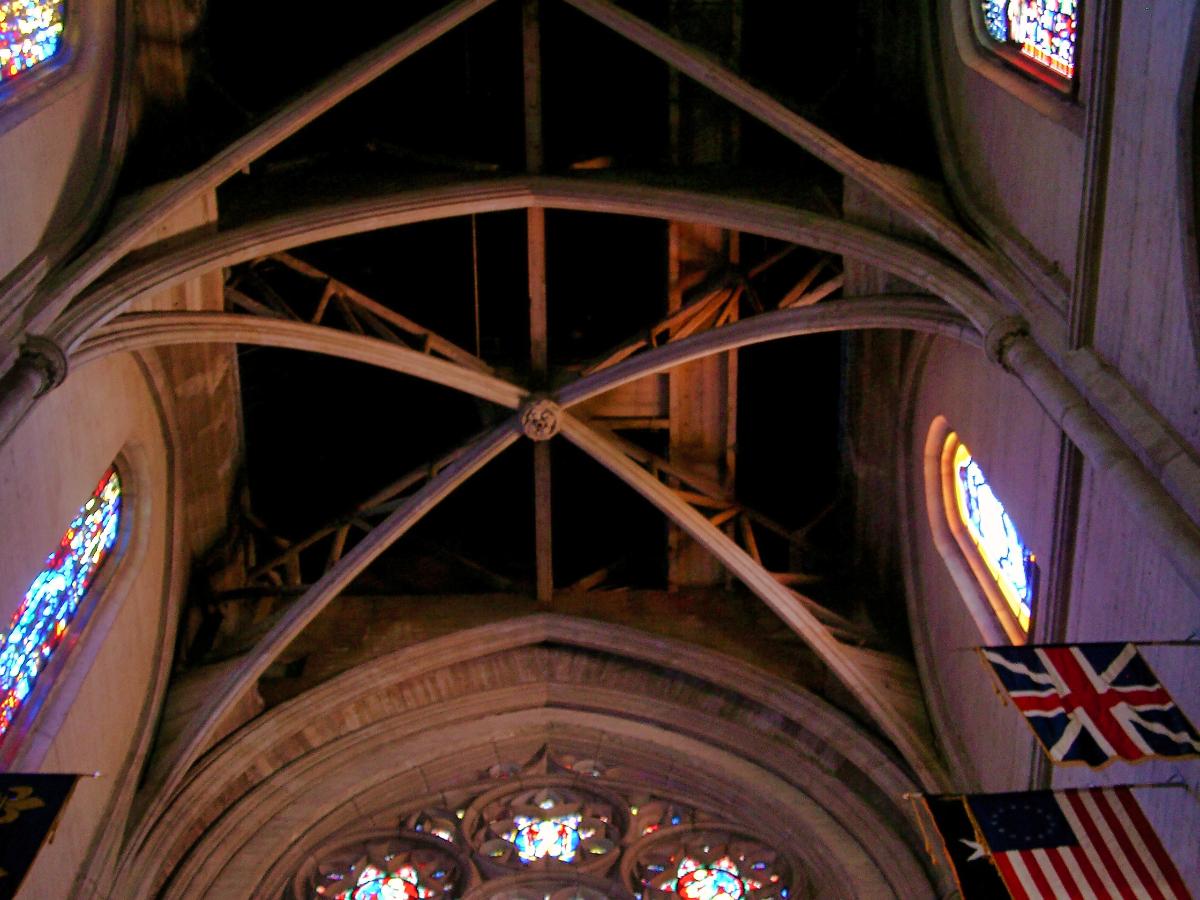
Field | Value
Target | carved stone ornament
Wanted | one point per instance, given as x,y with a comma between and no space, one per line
1000,336
540,420
47,358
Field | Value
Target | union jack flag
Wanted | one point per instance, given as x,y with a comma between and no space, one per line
1093,703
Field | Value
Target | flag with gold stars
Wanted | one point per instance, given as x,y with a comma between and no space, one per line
29,809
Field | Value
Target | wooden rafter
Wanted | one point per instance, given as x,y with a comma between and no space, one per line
898,193
893,311
539,351
715,504
872,679
233,687
717,307
362,307
381,503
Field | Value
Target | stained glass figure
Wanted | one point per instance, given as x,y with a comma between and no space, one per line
557,837
42,619
31,33
544,826
994,535
1039,30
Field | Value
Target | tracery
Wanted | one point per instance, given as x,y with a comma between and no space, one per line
555,828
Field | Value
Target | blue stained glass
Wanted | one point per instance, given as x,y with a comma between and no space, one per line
995,20
42,619
994,534
557,837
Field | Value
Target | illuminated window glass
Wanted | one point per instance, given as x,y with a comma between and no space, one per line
1037,35
381,884
45,614
992,535
31,34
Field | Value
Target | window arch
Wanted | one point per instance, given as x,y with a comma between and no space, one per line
31,37
994,569
1036,36
44,616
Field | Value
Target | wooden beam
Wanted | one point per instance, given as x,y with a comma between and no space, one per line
713,496
250,305
899,311
161,202
869,688
377,504
531,58
435,341
244,675
542,523
803,284
539,350
820,292
897,192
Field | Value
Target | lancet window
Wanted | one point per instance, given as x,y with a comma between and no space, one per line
44,615
988,537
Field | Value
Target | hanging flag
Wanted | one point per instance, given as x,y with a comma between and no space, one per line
1093,703
29,808
1094,842
974,872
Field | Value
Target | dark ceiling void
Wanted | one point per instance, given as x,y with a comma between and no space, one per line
456,105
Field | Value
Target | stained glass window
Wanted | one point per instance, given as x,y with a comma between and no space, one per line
42,619
556,837
544,830
546,826
994,535
710,865
388,870
379,884
1040,31
31,33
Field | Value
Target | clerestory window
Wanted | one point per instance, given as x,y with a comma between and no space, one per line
989,540
1035,36
31,37
43,618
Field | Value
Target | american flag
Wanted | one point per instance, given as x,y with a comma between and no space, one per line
1093,703
1094,844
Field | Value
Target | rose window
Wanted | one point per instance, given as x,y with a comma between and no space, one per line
554,829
